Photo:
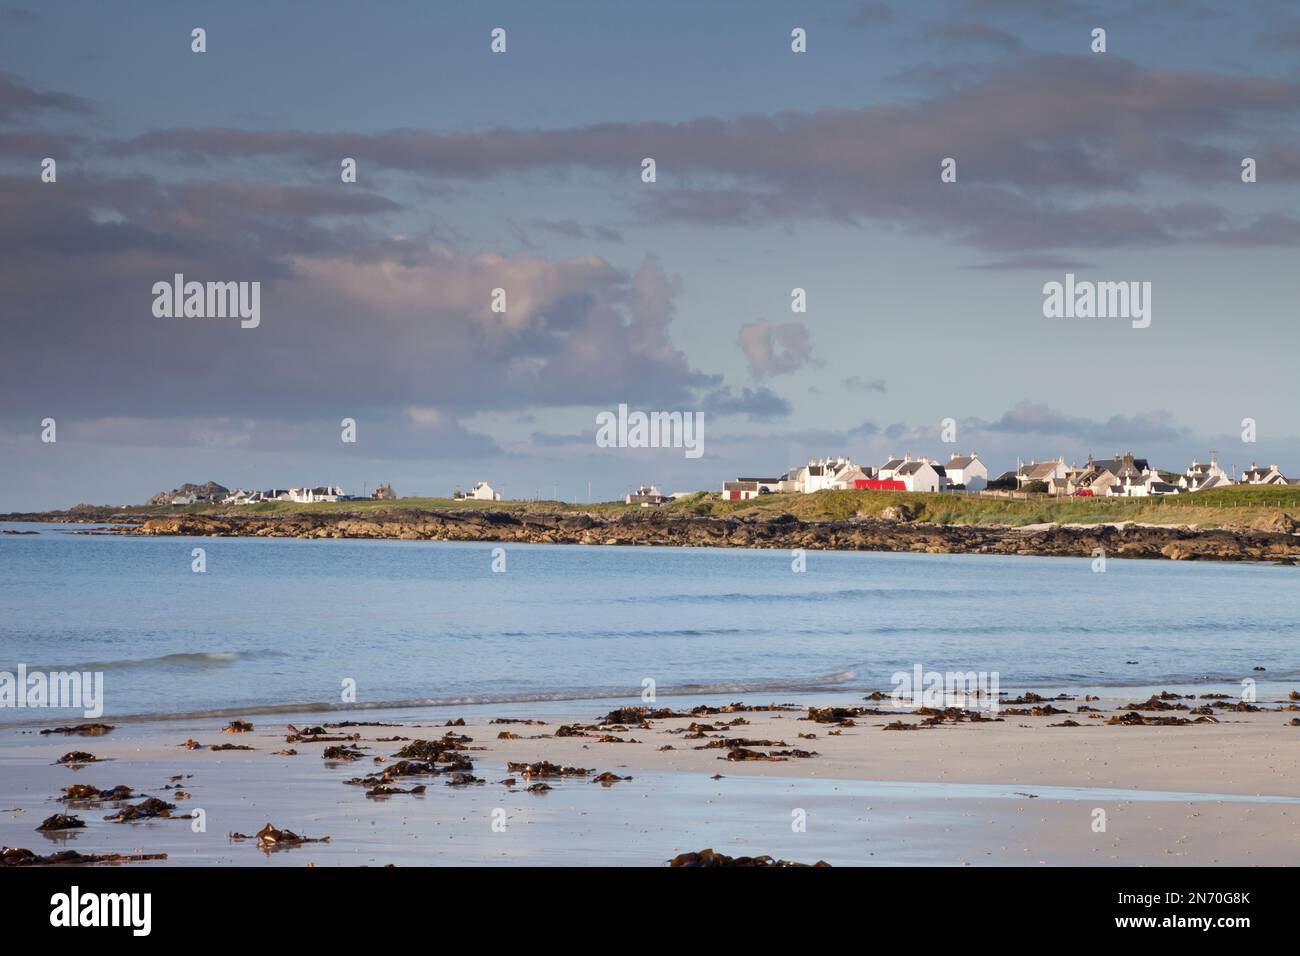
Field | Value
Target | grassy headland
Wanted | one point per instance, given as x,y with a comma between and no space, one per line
1219,508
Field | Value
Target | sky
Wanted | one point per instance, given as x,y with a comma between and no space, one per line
522,170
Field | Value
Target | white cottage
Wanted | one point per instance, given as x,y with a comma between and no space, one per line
482,491
967,471
919,475
1262,476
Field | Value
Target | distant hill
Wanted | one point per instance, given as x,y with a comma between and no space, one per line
209,489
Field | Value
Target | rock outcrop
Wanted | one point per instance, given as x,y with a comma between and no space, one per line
781,531
204,492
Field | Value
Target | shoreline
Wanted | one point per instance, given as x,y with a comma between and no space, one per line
1023,790
1120,540
563,703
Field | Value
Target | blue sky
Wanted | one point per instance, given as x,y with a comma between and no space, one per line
776,170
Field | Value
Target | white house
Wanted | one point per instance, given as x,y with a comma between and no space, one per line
1147,484
886,471
1201,476
918,475
1044,471
967,471
305,496
645,496
822,474
482,491
855,476
1262,476
742,489
1098,482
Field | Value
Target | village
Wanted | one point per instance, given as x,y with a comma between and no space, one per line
1120,476
212,493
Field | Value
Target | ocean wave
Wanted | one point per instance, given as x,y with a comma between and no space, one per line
191,660
834,681
855,680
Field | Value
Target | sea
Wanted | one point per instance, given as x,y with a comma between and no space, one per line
184,626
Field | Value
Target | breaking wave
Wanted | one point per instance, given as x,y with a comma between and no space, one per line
194,660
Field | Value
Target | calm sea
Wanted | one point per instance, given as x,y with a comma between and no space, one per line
276,624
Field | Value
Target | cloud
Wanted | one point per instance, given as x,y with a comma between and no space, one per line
759,404
573,229
1030,418
775,349
387,437
1042,162
355,321
857,383
556,440
561,227
1029,261
963,34
20,102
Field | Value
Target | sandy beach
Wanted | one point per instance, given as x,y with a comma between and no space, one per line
1023,790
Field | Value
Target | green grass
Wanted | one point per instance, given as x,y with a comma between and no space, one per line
1217,508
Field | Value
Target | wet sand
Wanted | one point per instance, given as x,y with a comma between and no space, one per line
1016,792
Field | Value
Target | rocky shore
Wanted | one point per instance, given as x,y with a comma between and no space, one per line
780,532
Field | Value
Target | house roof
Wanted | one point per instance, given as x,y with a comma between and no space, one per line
1041,470
962,461
892,464
1116,465
912,467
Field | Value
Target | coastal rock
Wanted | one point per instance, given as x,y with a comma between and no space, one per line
206,491
1278,521
1268,542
